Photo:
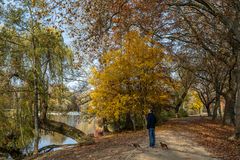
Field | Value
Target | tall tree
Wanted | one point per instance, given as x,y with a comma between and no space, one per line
127,83
226,15
37,56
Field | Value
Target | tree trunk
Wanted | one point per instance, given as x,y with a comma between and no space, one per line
236,77
180,101
217,102
220,111
128,123
178,106
237,105
44,107
229,115
60,127
66,130
208,110
215,109
63,128
36,127
236,73
133,117
105,125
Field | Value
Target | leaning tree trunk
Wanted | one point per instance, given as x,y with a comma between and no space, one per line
66,130
61,128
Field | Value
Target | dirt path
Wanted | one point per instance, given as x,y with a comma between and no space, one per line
186,139
180,148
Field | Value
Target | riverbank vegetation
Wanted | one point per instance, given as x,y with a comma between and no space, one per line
113,61
34,62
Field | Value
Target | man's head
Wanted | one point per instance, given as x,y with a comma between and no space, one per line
150,111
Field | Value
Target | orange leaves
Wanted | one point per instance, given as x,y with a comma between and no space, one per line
33,2
115,20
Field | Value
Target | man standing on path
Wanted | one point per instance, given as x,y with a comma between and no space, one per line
151,121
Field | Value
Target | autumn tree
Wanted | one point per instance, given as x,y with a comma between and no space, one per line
221,20
131,80
205,92
205,27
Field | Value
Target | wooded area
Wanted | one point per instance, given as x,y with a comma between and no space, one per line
177,57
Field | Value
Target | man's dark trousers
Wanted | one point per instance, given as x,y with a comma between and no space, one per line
151,132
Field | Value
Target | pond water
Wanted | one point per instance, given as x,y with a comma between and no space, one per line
71,118
20,127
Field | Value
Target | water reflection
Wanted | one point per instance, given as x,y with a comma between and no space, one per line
16,131
73,119
55,139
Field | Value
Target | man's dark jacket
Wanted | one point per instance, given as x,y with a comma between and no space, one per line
151,120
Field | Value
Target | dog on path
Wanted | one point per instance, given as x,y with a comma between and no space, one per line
163,145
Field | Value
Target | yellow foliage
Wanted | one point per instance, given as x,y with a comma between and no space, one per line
131,79
193,101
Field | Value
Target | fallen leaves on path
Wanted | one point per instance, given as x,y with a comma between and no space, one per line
211,135
206,133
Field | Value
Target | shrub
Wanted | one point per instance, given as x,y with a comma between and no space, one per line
171,114
164,116
182,113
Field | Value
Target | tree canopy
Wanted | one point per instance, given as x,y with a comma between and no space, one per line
132,79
